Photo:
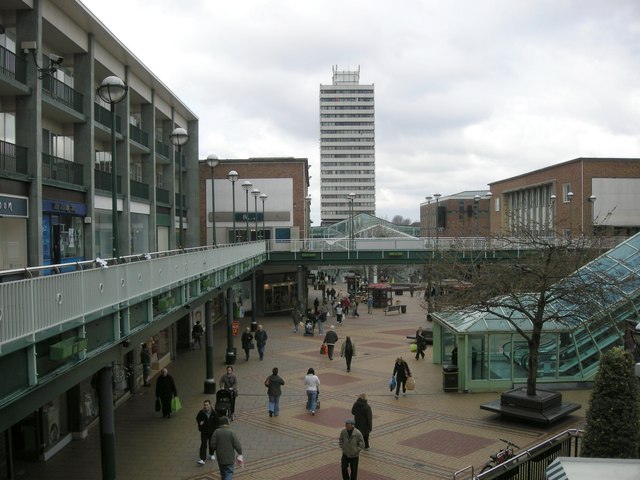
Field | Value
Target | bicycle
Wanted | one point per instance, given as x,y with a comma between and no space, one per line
502,456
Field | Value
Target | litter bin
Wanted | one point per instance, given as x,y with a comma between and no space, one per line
450,378
231,359
403,308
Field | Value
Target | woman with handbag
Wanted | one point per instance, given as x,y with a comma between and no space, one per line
247,342
401,372
311,383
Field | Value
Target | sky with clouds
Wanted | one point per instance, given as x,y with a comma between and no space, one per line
467,91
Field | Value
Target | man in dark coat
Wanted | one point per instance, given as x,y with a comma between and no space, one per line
261,340
207,420
330,339
363,417
165,391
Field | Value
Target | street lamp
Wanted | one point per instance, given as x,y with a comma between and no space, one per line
263,197
476,204
592,201
570,199
178,138
428,199
552,203
351,196
488,196
232,176
113,90
212,161
246,186
307,212
256,193
437,197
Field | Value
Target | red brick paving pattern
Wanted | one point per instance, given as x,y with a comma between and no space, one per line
449,443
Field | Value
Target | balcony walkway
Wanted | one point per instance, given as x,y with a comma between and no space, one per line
429,434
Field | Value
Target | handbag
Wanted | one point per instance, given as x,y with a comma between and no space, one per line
266,382
414,347
392,383
175,404
324,349
158,405
251,346
411,383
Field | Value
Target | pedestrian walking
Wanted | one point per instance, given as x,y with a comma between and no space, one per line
261,340
207,420
196,335
322,317
363,417
228,450
311,383
348,350
247,343
165,391
351,443
229,382
274,384
330,339
295,316
370,304
421,343
145,361
401,372
339,313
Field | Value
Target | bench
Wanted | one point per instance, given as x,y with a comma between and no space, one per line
394,308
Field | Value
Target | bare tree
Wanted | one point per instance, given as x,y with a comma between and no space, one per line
544,284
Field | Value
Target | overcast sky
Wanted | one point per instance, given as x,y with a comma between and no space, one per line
467,92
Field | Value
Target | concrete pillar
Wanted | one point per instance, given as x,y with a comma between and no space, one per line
209,382
107,424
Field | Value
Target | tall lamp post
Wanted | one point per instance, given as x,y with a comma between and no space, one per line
552,214
178,138
263,197
570,199
256,193
592,201
232,176
351,196
428,199
488,196
476,204
212,161
113,90
307,222
246,186
437,197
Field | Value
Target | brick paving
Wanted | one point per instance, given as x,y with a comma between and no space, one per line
428,434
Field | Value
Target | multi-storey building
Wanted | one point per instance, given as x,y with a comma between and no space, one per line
347,147
578,197
56,194
464,214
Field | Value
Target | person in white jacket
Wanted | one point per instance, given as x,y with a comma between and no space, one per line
311,382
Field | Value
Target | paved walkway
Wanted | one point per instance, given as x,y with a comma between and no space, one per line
429,434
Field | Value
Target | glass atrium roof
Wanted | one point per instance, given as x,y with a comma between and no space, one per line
365,226
621,262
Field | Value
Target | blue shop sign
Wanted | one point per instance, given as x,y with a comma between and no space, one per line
62,207
14,206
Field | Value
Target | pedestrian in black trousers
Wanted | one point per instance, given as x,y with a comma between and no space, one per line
207,420
165,391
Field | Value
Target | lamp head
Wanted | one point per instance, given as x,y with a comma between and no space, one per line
570,195
256,193
247,185
351,196
112,90
476,198
179,137
552,198
212,160
263,197
592,198
232,176
436,196
488,195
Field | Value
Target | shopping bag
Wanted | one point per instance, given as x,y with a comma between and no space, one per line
392,383
251,346
411,383
158,405
414,347
175,404
323,349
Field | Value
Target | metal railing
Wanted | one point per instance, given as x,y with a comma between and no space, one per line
13,158
62,93
163,196
163,149
103,181
139,189
529,464
103,117
12,66
61,170
39,302
138,135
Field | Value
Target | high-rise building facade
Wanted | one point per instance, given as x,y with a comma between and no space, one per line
347,147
